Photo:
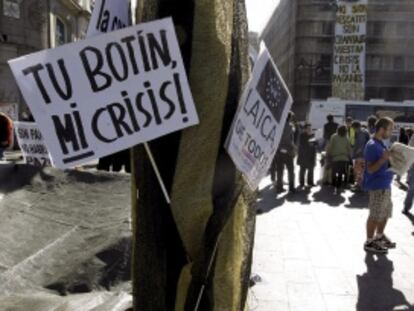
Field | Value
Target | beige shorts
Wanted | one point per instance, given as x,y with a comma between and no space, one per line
380,204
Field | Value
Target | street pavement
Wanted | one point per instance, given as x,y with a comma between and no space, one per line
63,232
309,254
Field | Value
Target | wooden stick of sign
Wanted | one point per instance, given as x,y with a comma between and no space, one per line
157,173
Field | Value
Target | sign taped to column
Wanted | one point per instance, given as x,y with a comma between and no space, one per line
259,121
107,93
31,143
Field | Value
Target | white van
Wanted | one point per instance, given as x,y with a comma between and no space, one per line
401,112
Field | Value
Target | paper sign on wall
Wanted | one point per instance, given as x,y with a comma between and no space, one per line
259,122
32,144
107,16
107,93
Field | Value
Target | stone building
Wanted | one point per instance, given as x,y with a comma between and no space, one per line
300,36
32,25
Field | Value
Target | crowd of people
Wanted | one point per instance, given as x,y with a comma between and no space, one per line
342,152
354,155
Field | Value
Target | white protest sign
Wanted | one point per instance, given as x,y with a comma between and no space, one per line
108,93
107,16
32,144
259,121
348,75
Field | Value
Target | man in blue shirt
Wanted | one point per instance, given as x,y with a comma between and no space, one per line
377,181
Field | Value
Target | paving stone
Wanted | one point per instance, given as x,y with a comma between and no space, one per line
340,302
325,265
54,222
305,297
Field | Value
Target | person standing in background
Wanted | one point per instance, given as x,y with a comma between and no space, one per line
306,156
339,152
403,137
361,138
409,197
350,130
6,133
409,132
371,124
329,129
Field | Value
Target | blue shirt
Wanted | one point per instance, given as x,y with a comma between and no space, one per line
382,178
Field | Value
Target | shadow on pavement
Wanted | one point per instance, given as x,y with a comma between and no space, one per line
268,199
375,287
301,196
358,200
327,195
14,176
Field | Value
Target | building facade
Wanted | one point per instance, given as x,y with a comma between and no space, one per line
301,35
32,25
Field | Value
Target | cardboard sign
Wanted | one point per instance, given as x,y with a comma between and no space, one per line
259,122
108,93
107,16
32,144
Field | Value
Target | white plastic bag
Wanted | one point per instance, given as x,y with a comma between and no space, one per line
401,159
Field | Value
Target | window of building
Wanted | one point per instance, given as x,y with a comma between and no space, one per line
399,63
371,93
359,112
401,29
391,93
409,93
61,32
11,8
328,7
374,62
386,62
410,63
328,28
321,92
376,29
326,61
326,40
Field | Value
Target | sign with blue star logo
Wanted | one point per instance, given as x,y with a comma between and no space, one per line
272,91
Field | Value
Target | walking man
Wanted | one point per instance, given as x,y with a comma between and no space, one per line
408,202
377,181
